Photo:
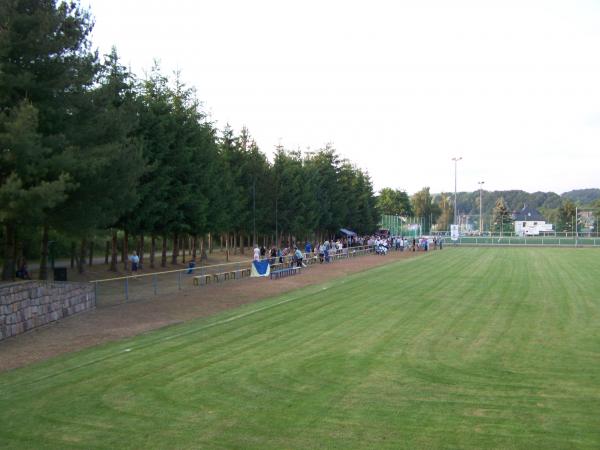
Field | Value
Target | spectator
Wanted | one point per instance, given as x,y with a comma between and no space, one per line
256,253
135,260
22,272
298,255
191,266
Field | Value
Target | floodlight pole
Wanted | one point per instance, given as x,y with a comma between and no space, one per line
480,183
455,159
576,227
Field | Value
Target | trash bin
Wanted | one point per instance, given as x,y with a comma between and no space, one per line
60,274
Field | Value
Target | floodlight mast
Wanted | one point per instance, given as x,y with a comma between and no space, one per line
576,226
455,159
480,183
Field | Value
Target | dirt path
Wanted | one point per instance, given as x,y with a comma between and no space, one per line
113,323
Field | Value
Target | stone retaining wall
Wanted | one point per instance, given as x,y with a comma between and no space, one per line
27,305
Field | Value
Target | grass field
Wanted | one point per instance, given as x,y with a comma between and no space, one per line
531,240
463,348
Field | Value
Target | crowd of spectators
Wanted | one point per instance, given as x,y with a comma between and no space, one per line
326,250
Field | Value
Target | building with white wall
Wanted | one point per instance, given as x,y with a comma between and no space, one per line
529,222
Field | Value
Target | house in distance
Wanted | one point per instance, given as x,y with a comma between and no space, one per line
529,222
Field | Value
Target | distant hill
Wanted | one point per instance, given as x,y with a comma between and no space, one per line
583,196
468,202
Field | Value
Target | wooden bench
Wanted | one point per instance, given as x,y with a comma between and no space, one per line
284,272
201,279
221,276
239,273
217,276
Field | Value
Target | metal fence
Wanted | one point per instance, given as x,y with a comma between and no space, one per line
132,288
549,241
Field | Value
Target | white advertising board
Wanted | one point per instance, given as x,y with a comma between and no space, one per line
454,234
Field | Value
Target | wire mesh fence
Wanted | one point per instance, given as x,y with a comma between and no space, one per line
139,287
550,241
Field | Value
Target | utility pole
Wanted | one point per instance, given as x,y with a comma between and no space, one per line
480,183
455,159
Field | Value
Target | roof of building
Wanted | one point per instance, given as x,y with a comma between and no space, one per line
528,214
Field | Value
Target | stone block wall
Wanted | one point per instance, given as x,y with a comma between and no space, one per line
27,305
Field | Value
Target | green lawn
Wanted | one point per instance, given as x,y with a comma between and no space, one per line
530,240
463,348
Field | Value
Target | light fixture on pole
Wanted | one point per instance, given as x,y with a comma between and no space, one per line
455,159
480,183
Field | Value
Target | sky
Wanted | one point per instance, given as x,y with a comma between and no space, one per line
397,87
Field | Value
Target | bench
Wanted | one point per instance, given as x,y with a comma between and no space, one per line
217,276
284,272
221,276
201,279
239,273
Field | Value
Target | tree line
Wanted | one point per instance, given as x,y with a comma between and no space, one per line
86,147
436,211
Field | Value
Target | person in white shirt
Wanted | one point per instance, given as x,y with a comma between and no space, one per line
135,260
256,253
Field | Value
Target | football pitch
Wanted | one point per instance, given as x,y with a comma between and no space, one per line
460,348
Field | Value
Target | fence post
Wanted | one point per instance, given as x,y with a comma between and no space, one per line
126,288
179,280
154,283
96,292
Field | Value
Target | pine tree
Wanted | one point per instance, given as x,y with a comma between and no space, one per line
107,158
502,218
46,61
28,187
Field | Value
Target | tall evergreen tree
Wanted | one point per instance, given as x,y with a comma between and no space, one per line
107,156
45,60
502,217
28,187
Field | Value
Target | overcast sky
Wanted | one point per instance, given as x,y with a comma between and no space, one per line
399,88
